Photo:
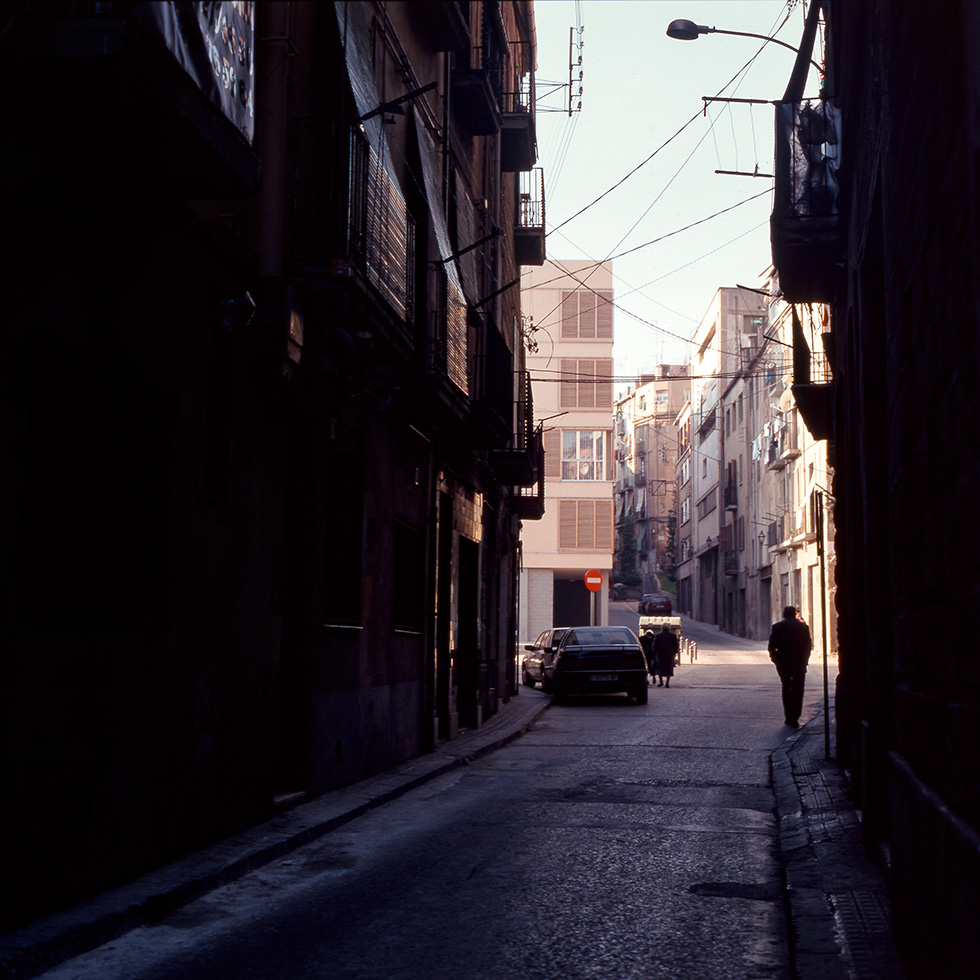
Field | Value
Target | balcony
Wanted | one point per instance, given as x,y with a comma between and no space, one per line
774,459
805,226
813,395
492,406
529,247
527,499
518,138
474,101
731,497
731,563
477,88
520,464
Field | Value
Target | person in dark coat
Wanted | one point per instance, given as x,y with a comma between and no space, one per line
646,641
665,647
789,649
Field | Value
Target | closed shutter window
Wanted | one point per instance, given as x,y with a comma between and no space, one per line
586,314
585,525
586,383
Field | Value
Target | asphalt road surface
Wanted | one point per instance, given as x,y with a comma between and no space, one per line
613,840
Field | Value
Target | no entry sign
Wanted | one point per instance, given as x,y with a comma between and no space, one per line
593,580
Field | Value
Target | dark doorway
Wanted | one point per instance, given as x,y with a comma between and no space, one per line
572,606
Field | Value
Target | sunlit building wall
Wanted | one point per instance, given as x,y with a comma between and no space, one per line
570,311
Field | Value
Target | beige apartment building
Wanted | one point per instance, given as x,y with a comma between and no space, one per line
568,306
645,490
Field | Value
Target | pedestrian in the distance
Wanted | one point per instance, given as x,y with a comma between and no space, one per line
789,649
665,647
646,641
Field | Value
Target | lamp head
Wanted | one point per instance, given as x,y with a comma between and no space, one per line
685,30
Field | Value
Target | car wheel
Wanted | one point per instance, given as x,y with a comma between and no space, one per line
528,680
642,694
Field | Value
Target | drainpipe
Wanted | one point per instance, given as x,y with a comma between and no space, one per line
279,324
272,134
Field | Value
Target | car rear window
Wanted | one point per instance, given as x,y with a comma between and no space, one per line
599,636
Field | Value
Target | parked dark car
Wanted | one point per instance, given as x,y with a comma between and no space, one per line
655,605
597,660
542,648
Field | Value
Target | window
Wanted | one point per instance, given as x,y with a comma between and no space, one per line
704,346
381,234
662,397
586,383
585,525
586,314
685,471
583,455
707,504
741,415
685,510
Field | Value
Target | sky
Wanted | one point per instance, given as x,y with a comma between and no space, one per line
642,108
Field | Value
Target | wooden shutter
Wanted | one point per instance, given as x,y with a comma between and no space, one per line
568,394
586,525
603,525
567,525
586,384
604,315
569,315
586,315
552,454
603,389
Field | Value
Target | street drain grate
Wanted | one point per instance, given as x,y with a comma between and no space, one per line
863,922
737,889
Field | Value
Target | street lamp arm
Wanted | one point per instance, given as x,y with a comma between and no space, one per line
687,30
762,37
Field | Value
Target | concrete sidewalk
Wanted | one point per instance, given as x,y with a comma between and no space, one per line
836,899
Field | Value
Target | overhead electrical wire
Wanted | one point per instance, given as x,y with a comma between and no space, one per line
618,183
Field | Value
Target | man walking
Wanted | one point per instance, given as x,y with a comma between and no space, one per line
789,649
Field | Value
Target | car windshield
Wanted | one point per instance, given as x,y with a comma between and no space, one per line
595,636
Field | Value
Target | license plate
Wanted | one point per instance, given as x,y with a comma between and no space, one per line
603,677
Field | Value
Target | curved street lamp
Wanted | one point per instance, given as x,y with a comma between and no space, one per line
687,30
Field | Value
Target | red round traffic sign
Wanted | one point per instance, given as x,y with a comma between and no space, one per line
593,580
